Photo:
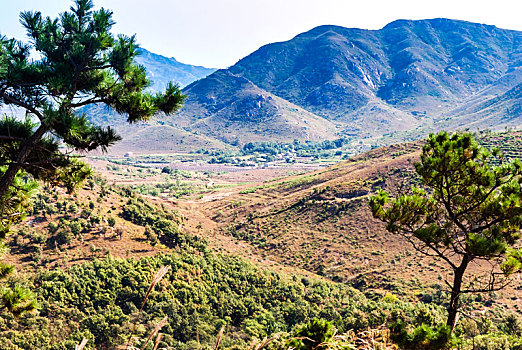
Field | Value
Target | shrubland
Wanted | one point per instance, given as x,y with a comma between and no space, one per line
204,293
64,296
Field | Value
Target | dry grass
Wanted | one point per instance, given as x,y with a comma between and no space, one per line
160,325
81,345
155,280
372,339
219,337
157,277
157,341
263,343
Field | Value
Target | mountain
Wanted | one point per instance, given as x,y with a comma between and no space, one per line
407,75
497,113
162,69
155,135
230,107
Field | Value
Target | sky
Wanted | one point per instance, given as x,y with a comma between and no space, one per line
217,33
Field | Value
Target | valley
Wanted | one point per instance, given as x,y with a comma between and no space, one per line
312,216
343,189
309,220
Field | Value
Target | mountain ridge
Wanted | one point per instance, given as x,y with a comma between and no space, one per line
162,69
409,74
382,86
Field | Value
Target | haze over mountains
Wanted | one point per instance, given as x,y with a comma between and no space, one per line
404,80
163,69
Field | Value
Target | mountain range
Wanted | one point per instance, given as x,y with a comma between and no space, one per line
399,82
163,69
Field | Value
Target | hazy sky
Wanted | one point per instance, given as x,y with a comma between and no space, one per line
217,33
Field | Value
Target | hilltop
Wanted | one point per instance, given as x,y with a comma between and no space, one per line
407,76
378,87
163,69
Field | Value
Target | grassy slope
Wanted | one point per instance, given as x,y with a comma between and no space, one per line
84,295
321,221
96,240
318,222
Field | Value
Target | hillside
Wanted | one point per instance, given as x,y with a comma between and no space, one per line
321,221
501,112
90,257
408,75
153,136
231,108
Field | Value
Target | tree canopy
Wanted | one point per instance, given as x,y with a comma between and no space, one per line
467,210
69,62
79,62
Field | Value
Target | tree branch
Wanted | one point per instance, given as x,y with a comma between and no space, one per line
86,102
11,100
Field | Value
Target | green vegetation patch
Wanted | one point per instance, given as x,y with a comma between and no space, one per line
201,293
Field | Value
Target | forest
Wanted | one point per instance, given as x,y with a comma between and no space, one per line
205,295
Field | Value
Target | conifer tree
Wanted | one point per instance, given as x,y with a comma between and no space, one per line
467,211
79,63
70,62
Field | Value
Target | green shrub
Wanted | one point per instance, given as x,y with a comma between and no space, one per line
310,335
64,236
492,342
422,337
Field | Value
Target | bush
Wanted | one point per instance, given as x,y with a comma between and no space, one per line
75,227
422,337
152,237
310,335
64,236
492,342
111,221
166,170
164,225
511,325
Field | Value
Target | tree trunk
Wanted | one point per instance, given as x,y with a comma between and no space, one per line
454,304
16,165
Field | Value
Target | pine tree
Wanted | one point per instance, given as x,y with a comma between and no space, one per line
78,63
467,211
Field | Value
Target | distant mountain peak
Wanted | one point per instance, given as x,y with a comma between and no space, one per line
163,69
400,77
397,83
